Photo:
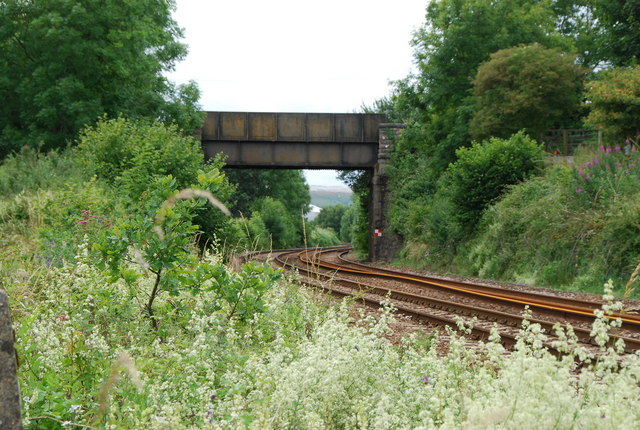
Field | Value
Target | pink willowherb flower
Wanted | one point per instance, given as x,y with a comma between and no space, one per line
578,190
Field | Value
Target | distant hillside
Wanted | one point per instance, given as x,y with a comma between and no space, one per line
329,196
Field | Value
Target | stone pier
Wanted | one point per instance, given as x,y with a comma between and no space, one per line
383,245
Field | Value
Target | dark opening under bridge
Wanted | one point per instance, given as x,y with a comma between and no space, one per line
270,140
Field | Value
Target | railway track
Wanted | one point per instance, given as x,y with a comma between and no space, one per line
440,301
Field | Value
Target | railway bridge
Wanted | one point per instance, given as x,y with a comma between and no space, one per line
271,140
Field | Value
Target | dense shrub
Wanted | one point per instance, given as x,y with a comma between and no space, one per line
30,170
483,172
436,222
346,223
318,236
133,155
354,226
574,228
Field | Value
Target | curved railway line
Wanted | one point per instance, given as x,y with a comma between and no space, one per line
440,301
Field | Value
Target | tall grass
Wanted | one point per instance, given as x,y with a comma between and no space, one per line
31,170
574,228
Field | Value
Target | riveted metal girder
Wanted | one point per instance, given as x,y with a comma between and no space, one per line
293,140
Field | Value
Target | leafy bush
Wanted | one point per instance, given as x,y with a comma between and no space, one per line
318,236
484,171
437,223
346,223
354,226
133,155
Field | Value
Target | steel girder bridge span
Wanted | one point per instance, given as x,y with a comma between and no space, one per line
271,140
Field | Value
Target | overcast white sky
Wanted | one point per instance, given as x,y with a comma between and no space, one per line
296,55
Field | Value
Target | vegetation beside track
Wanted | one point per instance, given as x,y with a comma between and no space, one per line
495,70
572,227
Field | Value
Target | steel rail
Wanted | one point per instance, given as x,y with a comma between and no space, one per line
512,320
477,332
549,303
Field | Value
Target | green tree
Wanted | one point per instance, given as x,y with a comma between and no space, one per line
288,186
360,183
529,87
459,35
64,63
330,217
347,223
278,222
437,101
614,100
618,42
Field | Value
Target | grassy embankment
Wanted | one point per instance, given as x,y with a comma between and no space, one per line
572,227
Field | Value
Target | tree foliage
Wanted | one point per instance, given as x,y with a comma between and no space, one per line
64,63
132,156
614,100
458,35
288,186
529,87
618,42
280,225
276,191
331,217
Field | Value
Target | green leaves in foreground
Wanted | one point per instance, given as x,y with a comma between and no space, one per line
160,240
